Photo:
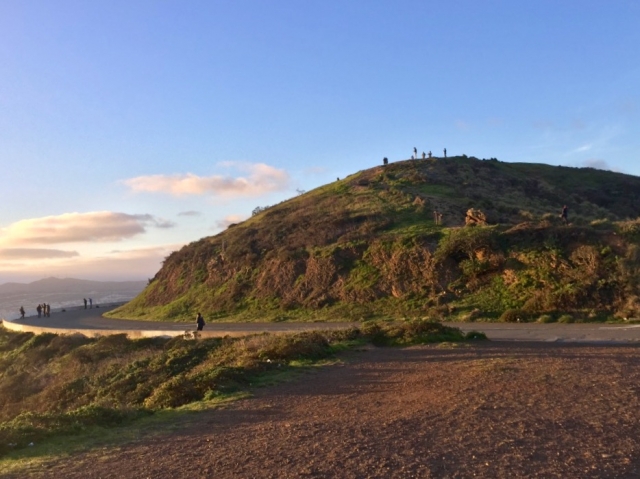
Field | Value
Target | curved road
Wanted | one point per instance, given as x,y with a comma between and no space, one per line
91,319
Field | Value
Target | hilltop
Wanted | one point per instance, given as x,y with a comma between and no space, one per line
369,246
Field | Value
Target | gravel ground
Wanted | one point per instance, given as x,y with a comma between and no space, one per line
490,410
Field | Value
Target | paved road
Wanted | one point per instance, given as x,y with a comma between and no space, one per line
80,318
592,332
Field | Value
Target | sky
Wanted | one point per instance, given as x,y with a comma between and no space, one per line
129,129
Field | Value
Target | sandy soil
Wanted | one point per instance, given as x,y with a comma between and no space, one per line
496,410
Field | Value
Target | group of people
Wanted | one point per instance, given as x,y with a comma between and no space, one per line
42,310
90,303
424,155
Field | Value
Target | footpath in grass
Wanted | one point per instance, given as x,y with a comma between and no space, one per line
54,387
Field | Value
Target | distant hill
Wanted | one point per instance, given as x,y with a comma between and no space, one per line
370,245
65,285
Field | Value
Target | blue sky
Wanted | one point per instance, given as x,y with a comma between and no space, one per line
128,129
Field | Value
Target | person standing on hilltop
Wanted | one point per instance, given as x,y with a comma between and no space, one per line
199,322
415,152
21,312
445,152
565,215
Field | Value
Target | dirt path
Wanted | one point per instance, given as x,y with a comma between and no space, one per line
498,410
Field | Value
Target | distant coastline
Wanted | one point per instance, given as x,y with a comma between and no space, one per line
63,293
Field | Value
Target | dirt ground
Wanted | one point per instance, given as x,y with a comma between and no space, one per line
492,410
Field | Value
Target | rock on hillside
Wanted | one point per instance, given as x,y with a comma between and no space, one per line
369,246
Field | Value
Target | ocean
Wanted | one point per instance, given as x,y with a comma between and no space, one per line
10,302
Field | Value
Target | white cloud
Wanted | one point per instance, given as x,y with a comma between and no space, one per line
261,179
101,226
229,220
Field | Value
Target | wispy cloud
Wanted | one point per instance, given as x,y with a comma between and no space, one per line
581,149
190,213
35,253
101,226
260,179
229,220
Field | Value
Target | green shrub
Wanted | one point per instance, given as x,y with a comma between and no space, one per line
566,318
546,318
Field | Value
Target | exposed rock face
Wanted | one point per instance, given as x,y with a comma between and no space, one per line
475,217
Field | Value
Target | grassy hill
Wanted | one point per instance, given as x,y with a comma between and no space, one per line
368,247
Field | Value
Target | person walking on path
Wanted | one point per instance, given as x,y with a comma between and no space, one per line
199,322
21,312
39,309
565,215
85,302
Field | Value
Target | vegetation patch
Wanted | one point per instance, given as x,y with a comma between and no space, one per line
391,242
54,385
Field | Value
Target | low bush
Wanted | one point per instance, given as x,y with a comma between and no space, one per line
566,318
546,318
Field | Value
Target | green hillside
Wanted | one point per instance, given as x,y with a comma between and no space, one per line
368,246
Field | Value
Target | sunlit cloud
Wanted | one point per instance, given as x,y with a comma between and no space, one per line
229,220
190,213
101,226
34,253
260,179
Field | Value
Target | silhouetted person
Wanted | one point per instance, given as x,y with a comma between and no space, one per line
445,152
437,216
47,309
424,155
415,151
385,161
429,153
90,303
21,312
565,215
199,322
413,157
39,309
85,303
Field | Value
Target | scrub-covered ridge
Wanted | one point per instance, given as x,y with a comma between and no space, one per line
459,237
